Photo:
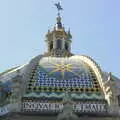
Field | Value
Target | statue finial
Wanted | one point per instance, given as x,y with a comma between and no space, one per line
59,7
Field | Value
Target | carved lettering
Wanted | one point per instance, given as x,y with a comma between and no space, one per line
80,107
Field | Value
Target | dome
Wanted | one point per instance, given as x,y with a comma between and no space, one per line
55,75
58,82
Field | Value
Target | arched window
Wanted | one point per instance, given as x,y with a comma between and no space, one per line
119,100
66,46
59,44
51,45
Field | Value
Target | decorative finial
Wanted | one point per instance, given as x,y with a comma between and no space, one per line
59,7
69,31
109,76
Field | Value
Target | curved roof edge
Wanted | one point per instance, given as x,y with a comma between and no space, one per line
17,68
96,68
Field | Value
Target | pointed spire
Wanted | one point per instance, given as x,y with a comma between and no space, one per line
58,19
69,33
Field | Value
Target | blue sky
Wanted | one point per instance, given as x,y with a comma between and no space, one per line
95,27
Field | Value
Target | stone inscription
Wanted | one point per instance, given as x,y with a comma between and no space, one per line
77,107
42,106
89,107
